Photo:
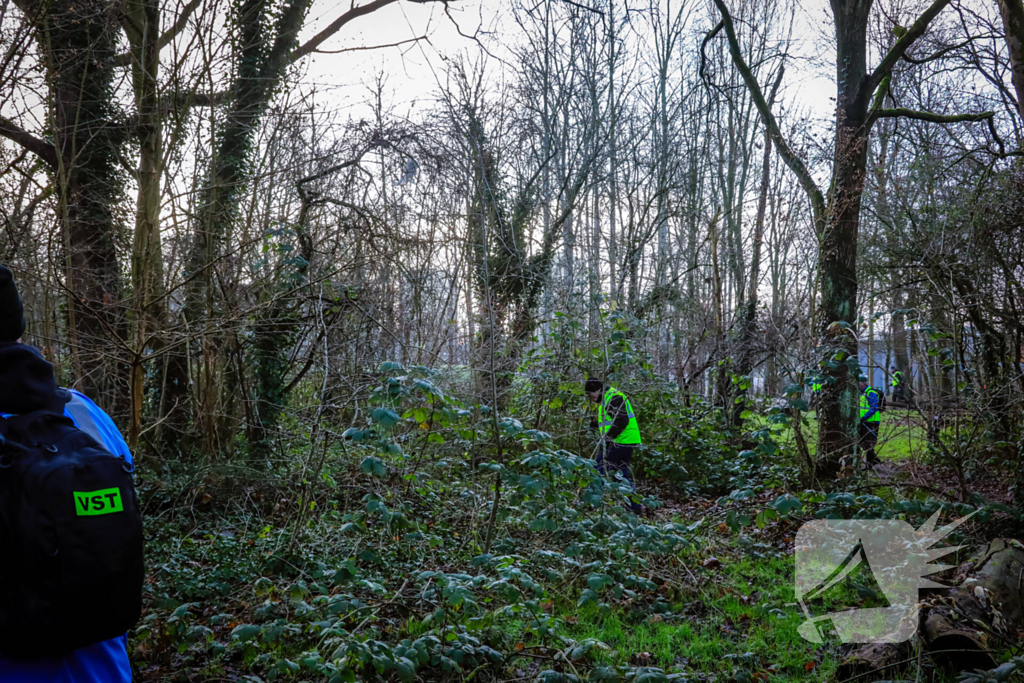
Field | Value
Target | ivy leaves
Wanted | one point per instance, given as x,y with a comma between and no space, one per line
385,417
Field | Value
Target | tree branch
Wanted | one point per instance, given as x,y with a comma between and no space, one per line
932,117
794,162
199,99
41,148
353,13
360,48
336,25
583,7
125,58
903,44
288,27
883,90
704,43
938,54
334,169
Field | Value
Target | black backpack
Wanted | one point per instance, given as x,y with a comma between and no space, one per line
71,566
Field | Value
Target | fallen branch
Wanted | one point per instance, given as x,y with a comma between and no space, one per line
959,624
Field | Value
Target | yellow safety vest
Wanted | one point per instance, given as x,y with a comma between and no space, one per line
865,406
630,436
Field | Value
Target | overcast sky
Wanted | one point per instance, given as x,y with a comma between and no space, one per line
412,69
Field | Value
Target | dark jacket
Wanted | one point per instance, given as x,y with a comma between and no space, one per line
27,383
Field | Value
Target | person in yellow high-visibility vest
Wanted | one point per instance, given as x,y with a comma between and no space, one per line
870,420
899,390
816,386
618,430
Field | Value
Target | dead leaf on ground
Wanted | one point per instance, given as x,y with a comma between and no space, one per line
711,563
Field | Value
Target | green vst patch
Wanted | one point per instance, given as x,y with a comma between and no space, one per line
102,502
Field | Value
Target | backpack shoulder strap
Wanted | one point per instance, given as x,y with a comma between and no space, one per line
79,413
27,428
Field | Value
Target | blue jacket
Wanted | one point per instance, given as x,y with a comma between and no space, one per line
105,662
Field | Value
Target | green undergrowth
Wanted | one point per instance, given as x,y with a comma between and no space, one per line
232,598
434,541
610,597
740,626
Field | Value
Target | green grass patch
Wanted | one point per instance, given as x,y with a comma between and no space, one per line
741,625
902,435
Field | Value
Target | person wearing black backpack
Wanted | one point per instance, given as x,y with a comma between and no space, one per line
71,566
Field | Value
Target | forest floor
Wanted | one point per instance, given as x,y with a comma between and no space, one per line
245,587
729,617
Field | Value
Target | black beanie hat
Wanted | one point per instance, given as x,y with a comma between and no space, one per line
593,385
12,317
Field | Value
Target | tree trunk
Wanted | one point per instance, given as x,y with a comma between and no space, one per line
593,301
837,257
274,334
471,342
994,387
721,384
1018,482
79,43
261,58
897,321
142,25
748,321
871,335
613,190
1013,24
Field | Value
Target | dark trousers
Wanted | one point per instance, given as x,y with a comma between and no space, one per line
617,458
868,439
